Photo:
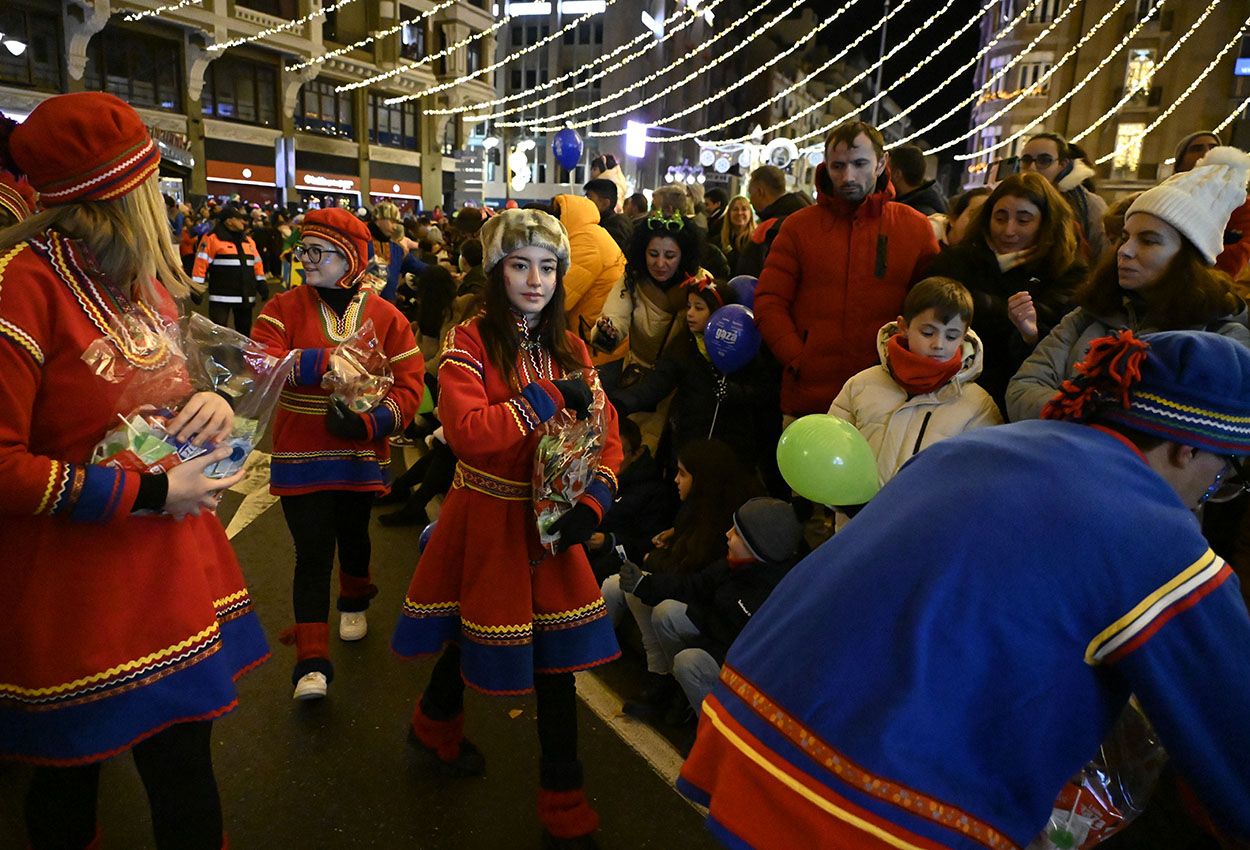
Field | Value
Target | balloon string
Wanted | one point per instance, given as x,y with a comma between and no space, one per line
715,413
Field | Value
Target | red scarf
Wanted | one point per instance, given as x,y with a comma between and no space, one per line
915,373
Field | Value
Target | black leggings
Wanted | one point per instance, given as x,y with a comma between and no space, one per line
176,767
432,475
220,314
557,704
319,521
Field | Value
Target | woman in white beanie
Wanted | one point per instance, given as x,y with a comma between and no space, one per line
1162,277
507,615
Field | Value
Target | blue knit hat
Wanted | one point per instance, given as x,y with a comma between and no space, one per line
1188,387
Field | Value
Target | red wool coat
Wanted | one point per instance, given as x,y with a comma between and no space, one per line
834,276
484,581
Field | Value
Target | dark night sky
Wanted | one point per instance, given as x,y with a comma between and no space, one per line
900,26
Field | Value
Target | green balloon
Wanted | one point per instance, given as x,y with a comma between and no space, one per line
427,402
824,459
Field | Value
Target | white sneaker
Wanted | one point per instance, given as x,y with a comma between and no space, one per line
310,686
352,625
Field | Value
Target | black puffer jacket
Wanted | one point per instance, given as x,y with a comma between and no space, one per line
645,505
926,198
720,598
751,260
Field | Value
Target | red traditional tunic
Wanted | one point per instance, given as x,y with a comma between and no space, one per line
115,626
306,457
484,580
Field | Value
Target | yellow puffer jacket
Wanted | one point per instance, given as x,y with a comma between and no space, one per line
596,264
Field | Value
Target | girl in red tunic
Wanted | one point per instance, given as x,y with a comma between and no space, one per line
128,620
509,616
328,461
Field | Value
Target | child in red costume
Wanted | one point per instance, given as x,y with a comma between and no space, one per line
128,620
328,461
509,616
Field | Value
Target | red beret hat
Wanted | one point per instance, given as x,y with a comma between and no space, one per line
347,233
86,146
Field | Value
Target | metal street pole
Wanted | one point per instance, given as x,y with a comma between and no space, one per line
876,105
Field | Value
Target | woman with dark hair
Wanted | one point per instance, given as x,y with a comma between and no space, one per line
961,213
1162,277
711,483
508,615
1020,262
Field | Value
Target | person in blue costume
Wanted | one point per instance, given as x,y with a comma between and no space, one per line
391,258
934,674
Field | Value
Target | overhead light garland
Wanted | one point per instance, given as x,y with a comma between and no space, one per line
1138,86
317,60
1044,78
646,35
881,61
1163,116
160,10
425,60
828,97
281,28
562,120
571,25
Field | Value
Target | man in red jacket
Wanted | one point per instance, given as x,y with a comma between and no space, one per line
838,270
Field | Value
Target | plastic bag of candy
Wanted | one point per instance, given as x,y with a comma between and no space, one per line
360,372
143,444
1110,791
564,463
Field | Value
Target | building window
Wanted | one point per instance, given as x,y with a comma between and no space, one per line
240,90
1045,11
140,69
1140,71
412,41
476,55
996,65
394,126
39,65
323,110
288,9
440,64
1006,12
1031,74
1128,139
1143,8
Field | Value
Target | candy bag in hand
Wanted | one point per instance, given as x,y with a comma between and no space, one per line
565,461
360,372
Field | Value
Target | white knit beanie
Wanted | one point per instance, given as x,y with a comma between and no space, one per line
1198,202
514,229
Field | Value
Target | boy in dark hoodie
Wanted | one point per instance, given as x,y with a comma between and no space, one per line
697,616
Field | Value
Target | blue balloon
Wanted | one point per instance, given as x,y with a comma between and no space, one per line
426,533
566,146
731,337
743,287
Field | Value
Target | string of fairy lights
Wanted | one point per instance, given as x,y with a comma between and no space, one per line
160,10
555,122
286,26
365,42
590,79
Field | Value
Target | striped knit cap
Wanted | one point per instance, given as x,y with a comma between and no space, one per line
86,146
346,233
1188,387
16,196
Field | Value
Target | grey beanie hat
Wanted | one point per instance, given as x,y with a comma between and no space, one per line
511,230
1188,140
769,528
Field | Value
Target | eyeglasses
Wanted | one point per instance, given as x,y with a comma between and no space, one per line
659,222
312,254
1229,483
1043,160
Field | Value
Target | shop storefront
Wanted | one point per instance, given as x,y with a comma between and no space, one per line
404,194
176,162
236,169
323,180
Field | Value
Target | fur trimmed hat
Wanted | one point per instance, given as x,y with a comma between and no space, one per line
344,231
769,529
1198,202
515,229
16,196
1188,387
85,146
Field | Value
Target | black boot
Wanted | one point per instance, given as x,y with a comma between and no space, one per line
655,699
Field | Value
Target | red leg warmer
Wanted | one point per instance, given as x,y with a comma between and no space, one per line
567,814
441,736
312,640
356,588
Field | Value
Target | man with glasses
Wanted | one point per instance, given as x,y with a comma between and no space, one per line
1050,155
934,674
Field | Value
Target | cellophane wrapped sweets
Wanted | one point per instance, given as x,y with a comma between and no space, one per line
360,372
564,463
204,357
1110,791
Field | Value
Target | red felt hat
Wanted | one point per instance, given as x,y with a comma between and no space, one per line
86,146
16,196
347,233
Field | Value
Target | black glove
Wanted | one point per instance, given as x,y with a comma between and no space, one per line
577,396
345,423
631,576
262,289
575,526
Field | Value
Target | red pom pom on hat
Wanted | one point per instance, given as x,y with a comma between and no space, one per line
85,146
347,233
16,196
